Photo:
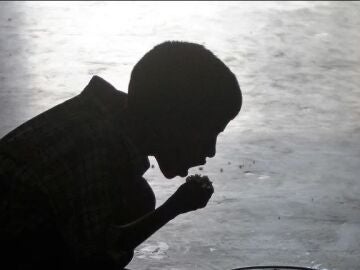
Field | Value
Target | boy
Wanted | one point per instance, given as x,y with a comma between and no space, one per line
71,180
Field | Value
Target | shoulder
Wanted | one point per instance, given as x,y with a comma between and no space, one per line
104,96
85,117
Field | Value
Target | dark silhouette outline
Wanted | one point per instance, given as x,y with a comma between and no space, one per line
181,96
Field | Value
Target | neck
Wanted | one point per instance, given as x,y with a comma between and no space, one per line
141,135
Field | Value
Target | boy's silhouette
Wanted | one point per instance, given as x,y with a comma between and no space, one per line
72,191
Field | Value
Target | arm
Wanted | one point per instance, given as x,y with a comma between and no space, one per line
129,236
190,196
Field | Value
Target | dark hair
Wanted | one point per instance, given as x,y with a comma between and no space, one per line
181,81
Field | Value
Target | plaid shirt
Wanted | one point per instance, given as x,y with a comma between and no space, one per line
74,171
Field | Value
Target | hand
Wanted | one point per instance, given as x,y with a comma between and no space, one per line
192,195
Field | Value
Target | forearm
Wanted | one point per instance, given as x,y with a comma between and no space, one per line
131,235
190,196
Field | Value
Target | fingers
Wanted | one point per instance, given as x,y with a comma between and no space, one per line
198,179
207,186
202,182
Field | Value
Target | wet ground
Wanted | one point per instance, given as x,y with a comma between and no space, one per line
286,173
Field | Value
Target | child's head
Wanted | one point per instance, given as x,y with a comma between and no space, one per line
184,88
186,81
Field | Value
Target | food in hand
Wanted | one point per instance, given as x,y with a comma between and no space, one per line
202,180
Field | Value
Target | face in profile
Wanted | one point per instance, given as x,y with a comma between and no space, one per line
176,81
184,149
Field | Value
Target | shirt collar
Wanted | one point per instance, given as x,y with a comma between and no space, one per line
114,102
105,96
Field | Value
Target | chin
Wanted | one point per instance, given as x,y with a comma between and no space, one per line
184,173
168,174
173,174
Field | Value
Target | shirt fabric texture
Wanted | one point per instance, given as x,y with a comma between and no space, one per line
66,176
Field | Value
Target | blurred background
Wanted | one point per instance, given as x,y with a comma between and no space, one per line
287,168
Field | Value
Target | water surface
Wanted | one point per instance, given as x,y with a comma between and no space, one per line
286,173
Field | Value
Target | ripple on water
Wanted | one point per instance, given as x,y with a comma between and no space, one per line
152,250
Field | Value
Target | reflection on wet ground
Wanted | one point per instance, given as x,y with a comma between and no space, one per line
286,170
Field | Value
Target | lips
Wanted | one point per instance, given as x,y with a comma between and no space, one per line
197,163
202,162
